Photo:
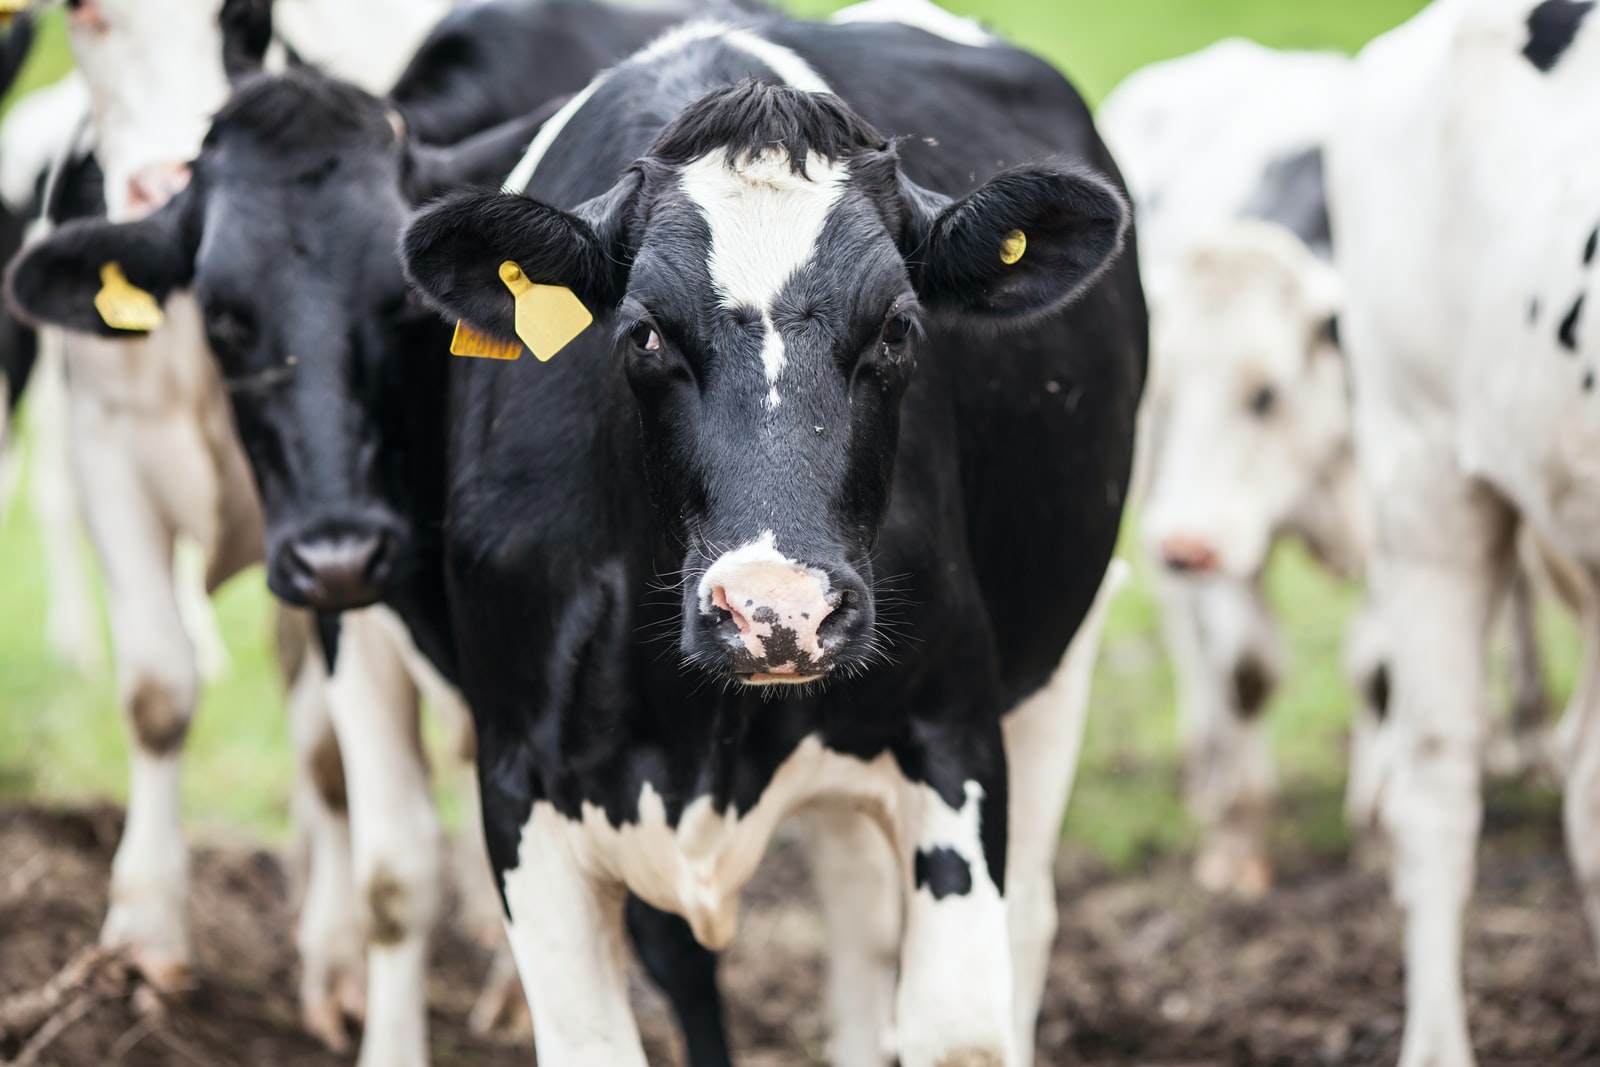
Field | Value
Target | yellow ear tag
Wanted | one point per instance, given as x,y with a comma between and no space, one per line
471,342
123,305
10,9
549,317
1013,246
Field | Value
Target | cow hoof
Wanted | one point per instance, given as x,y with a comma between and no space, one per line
162,973
1247,875
324,1020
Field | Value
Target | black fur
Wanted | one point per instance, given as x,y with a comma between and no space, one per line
1567,332
1552,27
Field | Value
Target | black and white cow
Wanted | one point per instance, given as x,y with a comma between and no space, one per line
829,373
1465,197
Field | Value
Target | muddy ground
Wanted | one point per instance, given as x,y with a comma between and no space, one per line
1146,970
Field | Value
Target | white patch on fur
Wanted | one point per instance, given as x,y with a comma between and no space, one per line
920,14
523,172
765,220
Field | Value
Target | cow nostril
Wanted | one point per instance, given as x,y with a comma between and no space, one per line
840,619
719,598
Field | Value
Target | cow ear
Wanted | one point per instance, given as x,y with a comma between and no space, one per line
55,281
479,161
453,251
1022,245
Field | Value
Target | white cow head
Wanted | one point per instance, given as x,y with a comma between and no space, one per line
155,74
1251,414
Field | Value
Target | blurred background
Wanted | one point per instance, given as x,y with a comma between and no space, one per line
61,739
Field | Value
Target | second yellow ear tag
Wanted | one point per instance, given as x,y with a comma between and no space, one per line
123,305
468,341
549,317
1011,249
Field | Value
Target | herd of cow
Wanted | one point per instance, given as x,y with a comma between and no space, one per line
808,496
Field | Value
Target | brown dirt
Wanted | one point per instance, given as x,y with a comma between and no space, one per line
1146,971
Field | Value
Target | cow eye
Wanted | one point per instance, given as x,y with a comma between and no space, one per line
896,330
645,338
1263,400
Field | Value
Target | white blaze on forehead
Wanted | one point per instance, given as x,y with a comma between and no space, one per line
921,14
765,220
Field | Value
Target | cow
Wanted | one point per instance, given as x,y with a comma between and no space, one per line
1465,201
814,479
1246,429
329,482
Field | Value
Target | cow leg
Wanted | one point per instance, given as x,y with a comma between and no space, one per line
395,831
686,971
1581,811
857,881
1371,734
72,623
157,687
332,963
1443,560
954,1004
1530,701
565,926
1228,756
1043,737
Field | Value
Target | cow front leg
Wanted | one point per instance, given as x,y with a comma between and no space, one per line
395,832
157,687
858,882
954,1004
686,971
566,931
1043,737
1581,812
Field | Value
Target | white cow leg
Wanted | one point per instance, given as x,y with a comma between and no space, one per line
858,882
330,934
1438,615
157,687
395,831
1582,807
566,931
1043,737
954,1007
72,621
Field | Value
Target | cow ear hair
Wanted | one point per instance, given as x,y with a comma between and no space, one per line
54,281
1022,245
453,250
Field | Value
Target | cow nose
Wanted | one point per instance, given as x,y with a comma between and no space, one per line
338,573
151,187
1188,555
778,610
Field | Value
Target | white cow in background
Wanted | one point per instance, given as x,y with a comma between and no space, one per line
1246,430
1464,177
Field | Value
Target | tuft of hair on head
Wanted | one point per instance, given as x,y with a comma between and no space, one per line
300,108
750,118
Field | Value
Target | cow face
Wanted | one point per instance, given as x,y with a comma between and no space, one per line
1251,414
156,74
768,277
287,236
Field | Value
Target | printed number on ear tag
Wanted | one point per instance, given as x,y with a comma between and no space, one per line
471,342
1012,248
549,317
123,305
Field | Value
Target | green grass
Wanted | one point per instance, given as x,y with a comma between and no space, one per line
61,739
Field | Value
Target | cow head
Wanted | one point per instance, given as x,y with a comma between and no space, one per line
768,276
157,70
287,235
1251,412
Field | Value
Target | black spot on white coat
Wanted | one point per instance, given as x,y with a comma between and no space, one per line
944,871
1552,27
1568,332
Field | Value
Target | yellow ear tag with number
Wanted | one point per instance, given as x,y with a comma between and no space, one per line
123,305
1011,249
473,342
549,317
